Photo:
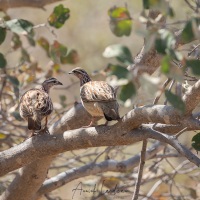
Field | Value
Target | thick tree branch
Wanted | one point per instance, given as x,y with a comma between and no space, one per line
32,180
190,102
46,145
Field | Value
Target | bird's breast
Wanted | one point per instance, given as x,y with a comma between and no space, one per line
93,108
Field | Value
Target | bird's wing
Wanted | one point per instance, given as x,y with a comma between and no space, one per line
35,102
97,91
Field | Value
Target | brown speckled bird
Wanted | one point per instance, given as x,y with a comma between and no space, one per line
98,97
36,104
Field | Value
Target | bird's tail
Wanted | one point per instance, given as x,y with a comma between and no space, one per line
34,124
111,115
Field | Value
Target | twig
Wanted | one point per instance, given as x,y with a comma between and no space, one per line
175,171
189,54
140,171
153,189
170,87
101,153
190,5
162,89
180,132
156,185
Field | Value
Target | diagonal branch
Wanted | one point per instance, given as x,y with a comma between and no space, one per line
47,145
50,145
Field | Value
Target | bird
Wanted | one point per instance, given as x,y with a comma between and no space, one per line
36,105
97,97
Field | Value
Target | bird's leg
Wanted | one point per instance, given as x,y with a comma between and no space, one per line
91,123
106,123
46,121
30,135
45,126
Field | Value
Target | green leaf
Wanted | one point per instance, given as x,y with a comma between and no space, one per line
63,100
16,42
3,61
117,70
121,52
20,26
165,64
25,57
31,40
165,42
71,57
194,65
59,16
17,116
56,67
2,35
15,83
127,91
160,5
57,50
171,70
13,80
190,31
146,4
175,101
43,42
196,142
120,21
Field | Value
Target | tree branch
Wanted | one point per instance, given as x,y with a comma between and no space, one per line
192,98
94,168
140,171
46,145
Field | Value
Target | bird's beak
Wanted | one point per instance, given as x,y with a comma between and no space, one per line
71,72
59,83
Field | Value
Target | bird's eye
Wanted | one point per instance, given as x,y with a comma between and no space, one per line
54,82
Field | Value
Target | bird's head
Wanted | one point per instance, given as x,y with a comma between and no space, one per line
81,74
50,82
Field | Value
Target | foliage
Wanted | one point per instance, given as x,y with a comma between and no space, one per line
59,16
